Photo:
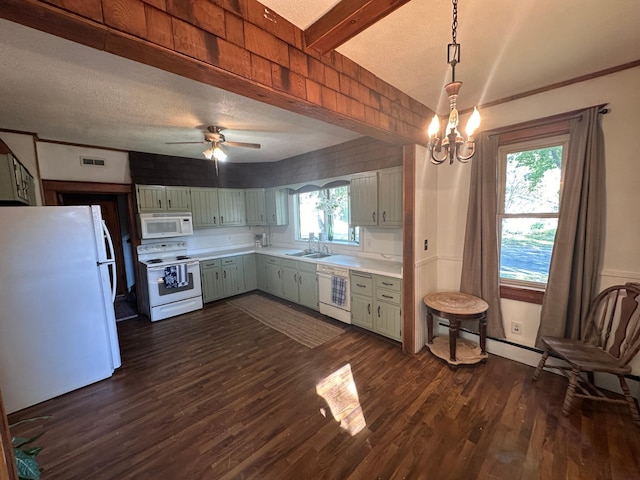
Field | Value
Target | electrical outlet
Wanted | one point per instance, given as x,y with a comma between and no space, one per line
516,327
426,244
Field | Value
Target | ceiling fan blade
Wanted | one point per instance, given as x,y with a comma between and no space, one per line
242,144
184,143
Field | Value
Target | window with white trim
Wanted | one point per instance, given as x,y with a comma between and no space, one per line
531,178
325,213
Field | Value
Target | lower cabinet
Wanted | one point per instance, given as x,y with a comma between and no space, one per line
290,279
211,276
376,303
225,277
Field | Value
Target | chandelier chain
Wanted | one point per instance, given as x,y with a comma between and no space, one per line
454,25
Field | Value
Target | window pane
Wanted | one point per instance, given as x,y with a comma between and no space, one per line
533,181
325,213
525,252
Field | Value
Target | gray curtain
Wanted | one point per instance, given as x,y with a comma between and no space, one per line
575,262
480,261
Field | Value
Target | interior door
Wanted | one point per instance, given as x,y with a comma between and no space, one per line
109,206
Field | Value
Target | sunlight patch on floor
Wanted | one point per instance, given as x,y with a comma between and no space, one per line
341,394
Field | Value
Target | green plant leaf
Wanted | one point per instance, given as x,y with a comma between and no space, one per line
26,465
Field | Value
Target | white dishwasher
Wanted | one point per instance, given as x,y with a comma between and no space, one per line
334,304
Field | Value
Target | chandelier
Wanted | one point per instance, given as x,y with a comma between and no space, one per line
452,145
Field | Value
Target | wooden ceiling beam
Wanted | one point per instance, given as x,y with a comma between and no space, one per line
345,20
248,50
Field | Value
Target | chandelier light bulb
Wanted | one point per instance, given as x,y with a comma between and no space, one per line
473,123
434,127
208,153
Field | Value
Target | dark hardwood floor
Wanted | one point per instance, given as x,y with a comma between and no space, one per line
217,395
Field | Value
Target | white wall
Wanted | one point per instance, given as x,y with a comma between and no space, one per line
621,261
62,162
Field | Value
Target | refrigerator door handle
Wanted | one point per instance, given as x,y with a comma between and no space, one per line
111,260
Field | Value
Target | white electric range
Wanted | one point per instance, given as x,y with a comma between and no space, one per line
161,298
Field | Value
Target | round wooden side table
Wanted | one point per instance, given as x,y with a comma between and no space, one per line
456,306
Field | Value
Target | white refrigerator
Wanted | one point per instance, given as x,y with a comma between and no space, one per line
57,320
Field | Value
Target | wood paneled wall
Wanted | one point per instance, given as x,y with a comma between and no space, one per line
360,155
239,46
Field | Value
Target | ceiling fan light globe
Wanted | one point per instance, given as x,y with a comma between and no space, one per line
219,155
208,153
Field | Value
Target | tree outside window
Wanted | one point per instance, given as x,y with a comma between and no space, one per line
326,213
531,181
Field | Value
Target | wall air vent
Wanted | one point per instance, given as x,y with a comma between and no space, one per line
92,162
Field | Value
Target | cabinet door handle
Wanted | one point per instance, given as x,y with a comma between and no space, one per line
300,279
224,274
216,275
369,308
261,218
373,216
221,219
295,278
387,284
384,216
169,203
279,274
360,285
378,311
386,296
160,203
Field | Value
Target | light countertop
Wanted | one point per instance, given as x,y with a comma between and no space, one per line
369,265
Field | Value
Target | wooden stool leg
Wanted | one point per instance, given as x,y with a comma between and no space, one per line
630,400
540,366
483,335
454,327
429,326
571,390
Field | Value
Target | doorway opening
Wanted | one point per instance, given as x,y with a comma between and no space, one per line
116,204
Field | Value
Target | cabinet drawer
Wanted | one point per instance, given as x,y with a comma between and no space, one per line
361,284
274,260
388,296
209,264
389,282
289,263
228,261
307,267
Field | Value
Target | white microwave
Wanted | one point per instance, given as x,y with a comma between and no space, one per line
161,225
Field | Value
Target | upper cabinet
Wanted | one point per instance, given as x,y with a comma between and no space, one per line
277,206
255,206
158,198
16,183
204,207
232,208
376,198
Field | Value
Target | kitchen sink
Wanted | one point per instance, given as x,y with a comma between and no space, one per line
317,255
297,254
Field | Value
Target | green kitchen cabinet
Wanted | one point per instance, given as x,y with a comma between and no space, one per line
178,199
364,199
204,207
232,209
277,206
211,276
250,272
256,213
16,183
289,269
261,272
151,198
376,303
232,275
308,285
274,276
390,197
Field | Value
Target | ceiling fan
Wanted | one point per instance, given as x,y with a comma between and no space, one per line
215,138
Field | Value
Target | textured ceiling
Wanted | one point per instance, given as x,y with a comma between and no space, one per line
68,92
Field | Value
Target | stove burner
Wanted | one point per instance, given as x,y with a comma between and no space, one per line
154,260
182,257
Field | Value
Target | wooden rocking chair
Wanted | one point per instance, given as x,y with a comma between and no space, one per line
612,339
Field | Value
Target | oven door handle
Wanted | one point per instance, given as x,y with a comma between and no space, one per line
156,269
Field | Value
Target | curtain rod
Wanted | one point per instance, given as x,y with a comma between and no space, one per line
553,119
